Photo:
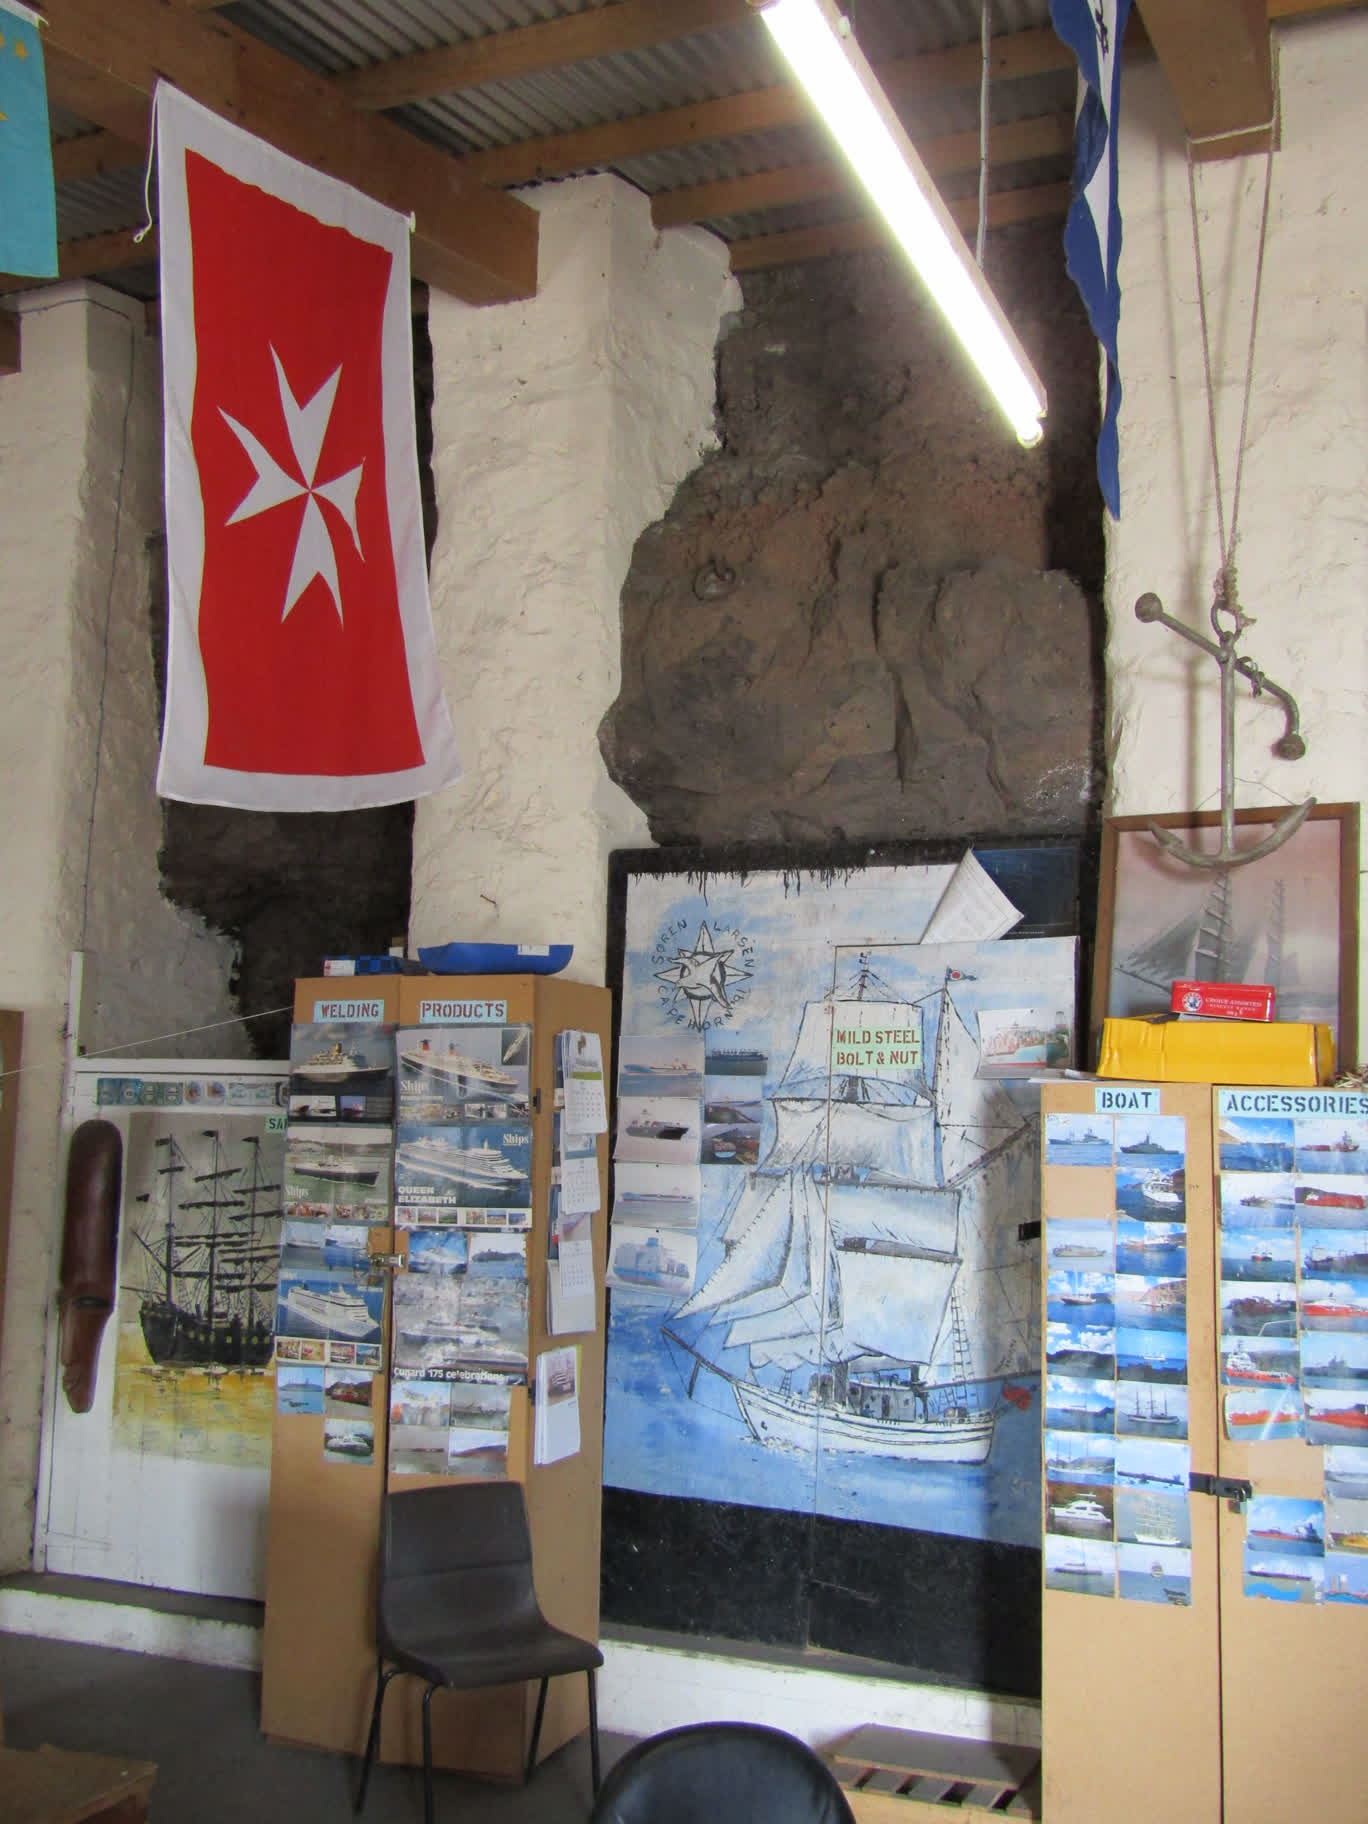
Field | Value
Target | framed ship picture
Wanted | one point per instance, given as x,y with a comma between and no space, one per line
827,1354
1288,920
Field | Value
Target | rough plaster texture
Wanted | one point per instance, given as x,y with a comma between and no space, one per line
1303,516
562,426
78,762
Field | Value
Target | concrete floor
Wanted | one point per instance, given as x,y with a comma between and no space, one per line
199,1724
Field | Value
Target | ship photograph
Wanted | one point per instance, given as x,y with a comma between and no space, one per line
1078,1140
1086,1567
861,1298
1329,1202
477,1443
1079,1245
484,1165
475,1322
1261,1361
332,1169
1258,1254
1153,1516
1078,1405
1331,1149
657,1130
1332,1361
331,1063
1156,1249
1262,1414
1258,1200
1151,1355
442,1069
656,1196
336,1308
1256,1144
1080,1297
1154,1573
665,1064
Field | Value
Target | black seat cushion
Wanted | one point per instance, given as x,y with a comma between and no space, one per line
722,1773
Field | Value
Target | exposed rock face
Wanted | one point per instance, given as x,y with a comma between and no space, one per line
855,619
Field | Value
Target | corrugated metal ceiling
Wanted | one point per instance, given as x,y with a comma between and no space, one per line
331,37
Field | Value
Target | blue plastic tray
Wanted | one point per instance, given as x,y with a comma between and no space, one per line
495,959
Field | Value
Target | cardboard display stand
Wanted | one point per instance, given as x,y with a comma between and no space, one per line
318,1673
1231,1707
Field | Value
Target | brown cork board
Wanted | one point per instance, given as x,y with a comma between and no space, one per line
319,1677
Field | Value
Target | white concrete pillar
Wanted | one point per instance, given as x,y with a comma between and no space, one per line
562,428
80,492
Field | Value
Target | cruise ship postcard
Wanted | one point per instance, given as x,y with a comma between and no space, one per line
331,1307
1084,1567
438,1251
419,1415
477,1443
463,1073
324,1247
337,1174
657,1130
1154,1573
299,1387
1080,1244
1258,1200
484,1165
342,1071
656,1196
348,1441
1079,1140
661,1064
733,1113
652,1260
734,1054
445,1324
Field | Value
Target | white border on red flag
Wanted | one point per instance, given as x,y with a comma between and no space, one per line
183,124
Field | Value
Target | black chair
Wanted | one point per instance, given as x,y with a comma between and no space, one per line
458,1608
721,1773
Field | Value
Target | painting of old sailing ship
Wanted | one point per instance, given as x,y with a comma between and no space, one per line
861,1335
199,1254
1275,921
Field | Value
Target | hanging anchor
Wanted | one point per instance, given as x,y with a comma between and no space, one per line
1289,745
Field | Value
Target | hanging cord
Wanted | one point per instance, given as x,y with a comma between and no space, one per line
986,39
1224,598
40,1065
148,222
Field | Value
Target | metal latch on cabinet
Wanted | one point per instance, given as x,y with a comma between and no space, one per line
1223,1488
380,1264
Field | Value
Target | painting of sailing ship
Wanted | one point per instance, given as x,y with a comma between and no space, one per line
199,1255
1284,920
861,1334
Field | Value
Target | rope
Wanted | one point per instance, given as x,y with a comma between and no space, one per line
1225,586
986,39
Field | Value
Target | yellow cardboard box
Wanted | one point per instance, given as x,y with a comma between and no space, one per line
1217,1051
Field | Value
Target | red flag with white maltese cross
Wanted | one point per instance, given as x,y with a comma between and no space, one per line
302,672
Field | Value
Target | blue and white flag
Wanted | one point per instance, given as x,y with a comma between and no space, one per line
1093,30
28,217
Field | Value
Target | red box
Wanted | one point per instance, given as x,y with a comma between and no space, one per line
1223,1000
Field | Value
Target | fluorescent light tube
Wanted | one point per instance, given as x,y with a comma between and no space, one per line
821,50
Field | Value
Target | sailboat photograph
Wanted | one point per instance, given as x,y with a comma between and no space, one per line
862,1331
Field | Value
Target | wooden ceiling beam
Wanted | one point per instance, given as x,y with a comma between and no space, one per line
1042,202
91,154
89,255
1042,136
469,240
1218,59
756,111
628,25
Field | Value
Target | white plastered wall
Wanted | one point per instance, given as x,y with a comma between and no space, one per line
80,492
562,427
1303,514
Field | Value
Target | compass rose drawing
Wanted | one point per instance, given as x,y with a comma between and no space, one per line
702,979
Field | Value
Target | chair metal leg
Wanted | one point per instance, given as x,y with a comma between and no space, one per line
382,1678
536,1731
427,1754
593,1733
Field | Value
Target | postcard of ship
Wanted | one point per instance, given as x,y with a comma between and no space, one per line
348,1441
661,1064
446,1073
1154,1573
1082,1567
475,1323
1079,1245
